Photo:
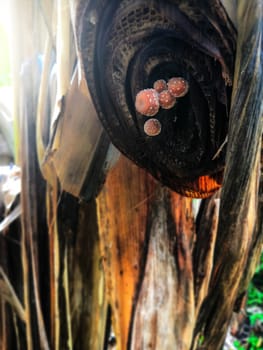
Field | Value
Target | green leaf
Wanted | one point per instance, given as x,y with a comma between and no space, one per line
238,345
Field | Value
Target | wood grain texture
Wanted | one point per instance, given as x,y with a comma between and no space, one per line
165,310
147,235
123,206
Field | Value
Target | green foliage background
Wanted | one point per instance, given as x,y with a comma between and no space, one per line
255,298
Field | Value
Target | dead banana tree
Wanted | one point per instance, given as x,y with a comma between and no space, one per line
107,252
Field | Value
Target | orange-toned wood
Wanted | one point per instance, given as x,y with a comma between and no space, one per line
123,207
203,187
147,234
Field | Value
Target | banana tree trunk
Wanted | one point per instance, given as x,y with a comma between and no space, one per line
125,261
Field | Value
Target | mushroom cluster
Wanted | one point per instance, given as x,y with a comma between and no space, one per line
149,101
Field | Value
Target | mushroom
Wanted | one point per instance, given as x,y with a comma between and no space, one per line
178,87
166,100
147,102
152,127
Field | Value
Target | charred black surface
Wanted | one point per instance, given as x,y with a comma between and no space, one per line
126,46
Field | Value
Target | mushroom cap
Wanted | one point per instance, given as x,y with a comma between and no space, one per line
160,85
166,100
152,127
178,87
147,102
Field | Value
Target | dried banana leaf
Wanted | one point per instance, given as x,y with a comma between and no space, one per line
78,135
80,150
240,195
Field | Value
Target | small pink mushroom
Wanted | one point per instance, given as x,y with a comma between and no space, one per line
160,85
152,127
166,100
147,102
178,87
